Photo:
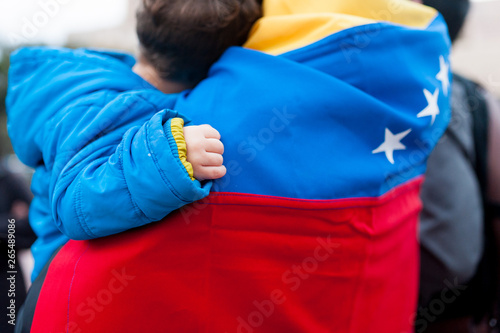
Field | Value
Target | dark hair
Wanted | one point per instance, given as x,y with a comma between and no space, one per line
454,13
181,39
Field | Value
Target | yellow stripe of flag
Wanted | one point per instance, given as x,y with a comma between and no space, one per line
291,24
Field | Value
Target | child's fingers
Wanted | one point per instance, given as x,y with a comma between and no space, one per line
212,159
210,172
210,132
214,146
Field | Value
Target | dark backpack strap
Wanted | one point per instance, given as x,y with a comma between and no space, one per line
479,110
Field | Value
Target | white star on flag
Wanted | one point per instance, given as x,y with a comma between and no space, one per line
432,108
392,142
444,74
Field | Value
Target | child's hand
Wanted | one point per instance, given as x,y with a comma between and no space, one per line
204,152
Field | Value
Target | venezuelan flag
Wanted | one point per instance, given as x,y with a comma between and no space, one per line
328,115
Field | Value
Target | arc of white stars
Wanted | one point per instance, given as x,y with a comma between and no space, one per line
391,143
432,108
444,75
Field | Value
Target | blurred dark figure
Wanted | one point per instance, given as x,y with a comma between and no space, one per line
15,198
454,13
461,195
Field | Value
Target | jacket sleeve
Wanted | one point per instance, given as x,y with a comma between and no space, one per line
106,188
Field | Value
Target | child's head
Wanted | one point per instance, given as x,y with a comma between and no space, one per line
181,39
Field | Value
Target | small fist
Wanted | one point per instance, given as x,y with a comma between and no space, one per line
204,152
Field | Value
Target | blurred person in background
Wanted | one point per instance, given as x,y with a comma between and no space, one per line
461,196
15,198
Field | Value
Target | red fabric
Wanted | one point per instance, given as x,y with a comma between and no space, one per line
245,263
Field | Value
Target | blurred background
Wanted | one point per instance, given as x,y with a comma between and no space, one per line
69,23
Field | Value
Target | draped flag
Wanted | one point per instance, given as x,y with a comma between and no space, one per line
328,116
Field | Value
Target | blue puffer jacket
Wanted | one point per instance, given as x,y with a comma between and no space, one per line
102,142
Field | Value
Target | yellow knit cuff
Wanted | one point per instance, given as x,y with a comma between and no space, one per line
176,127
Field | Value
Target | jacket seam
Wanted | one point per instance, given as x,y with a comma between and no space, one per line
79,212
137,209
382,200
